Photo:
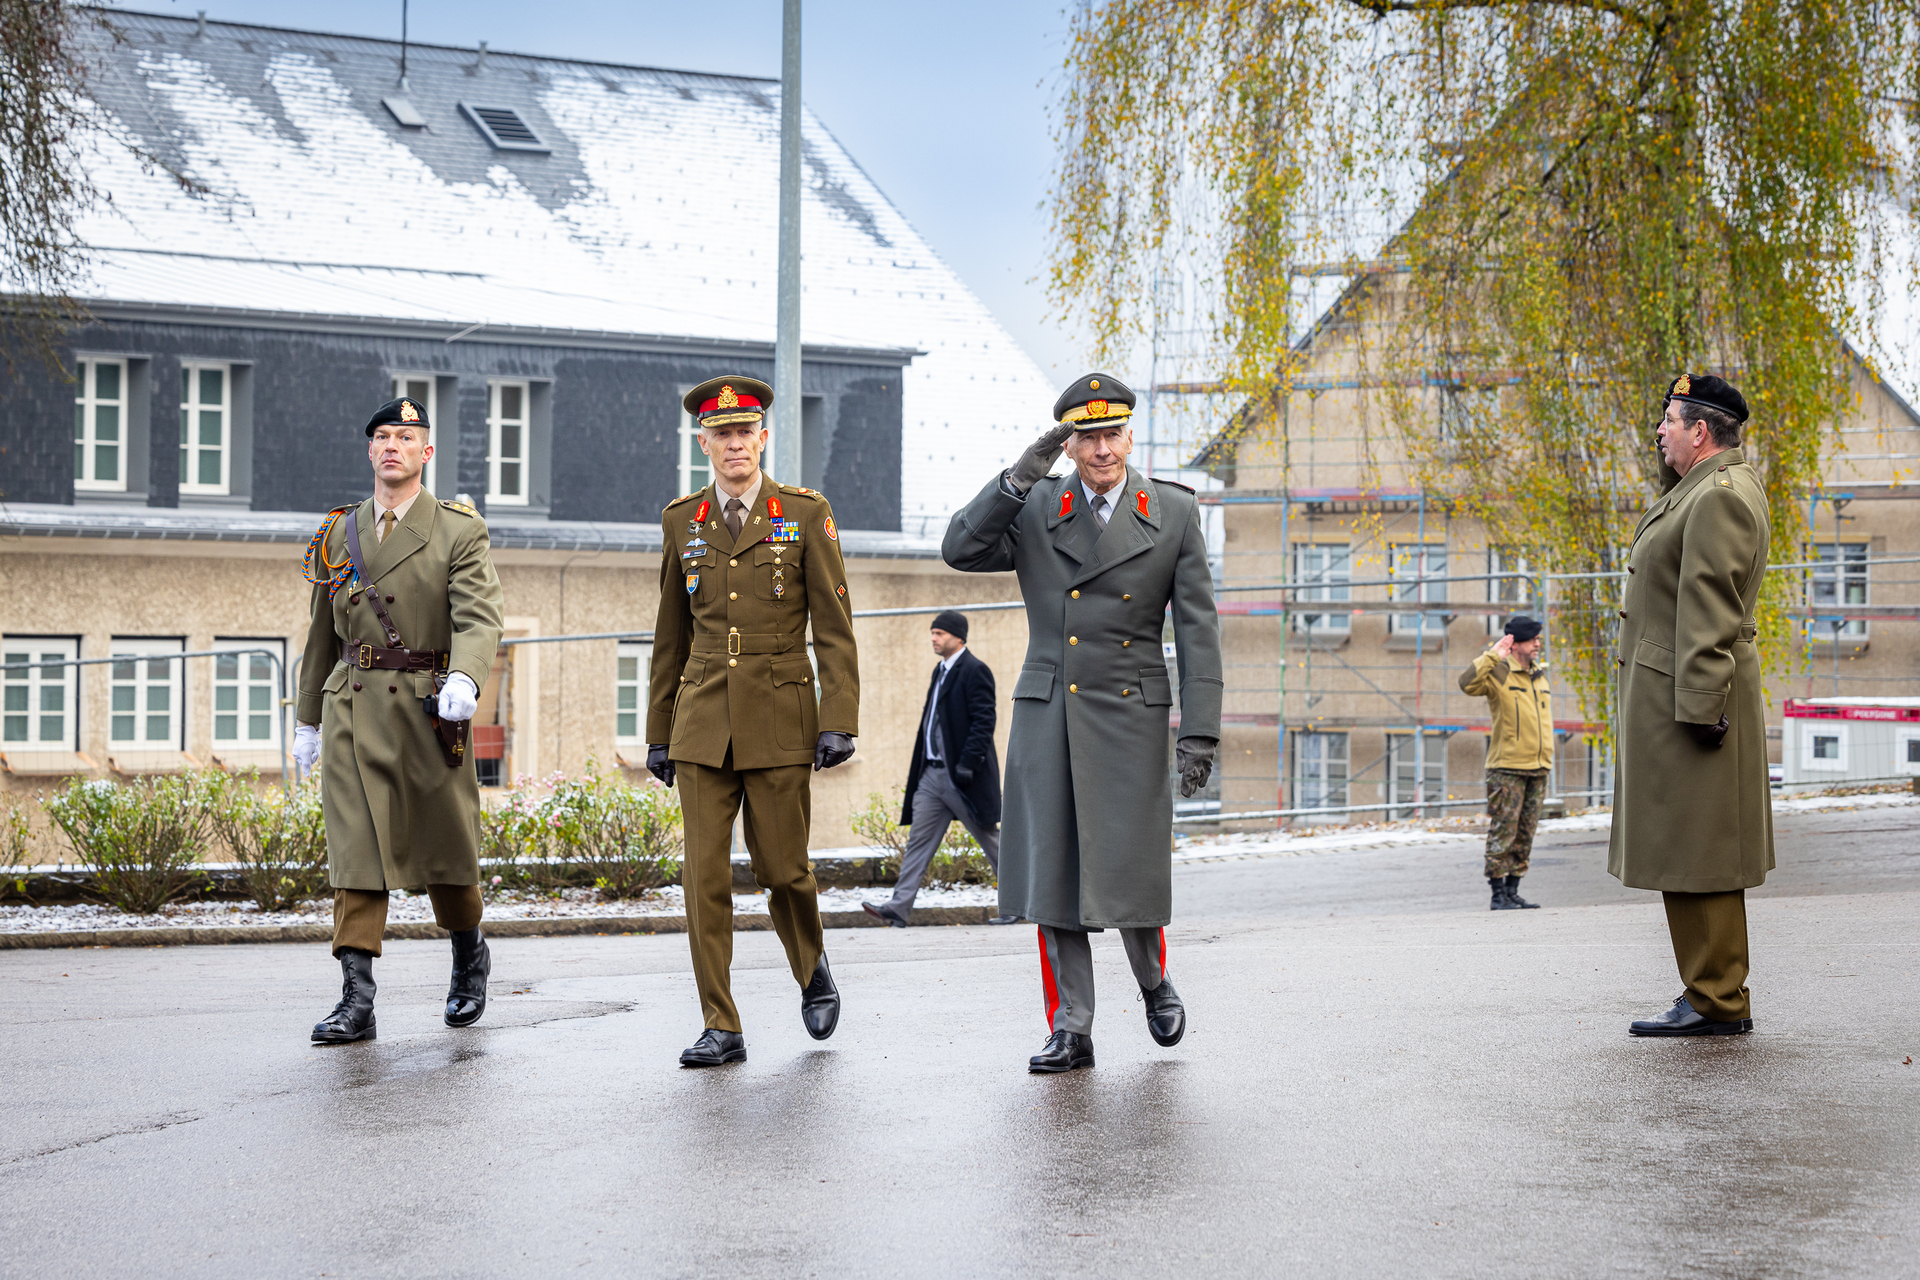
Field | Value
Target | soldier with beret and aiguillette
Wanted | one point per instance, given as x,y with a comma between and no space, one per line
406,618
737,712
1692,809
1103,553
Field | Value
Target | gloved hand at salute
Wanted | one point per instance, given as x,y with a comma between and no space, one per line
306,746
832,749
658,765
1193,759
458,698
1038,459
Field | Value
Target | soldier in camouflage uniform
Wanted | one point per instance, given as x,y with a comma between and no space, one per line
1510,676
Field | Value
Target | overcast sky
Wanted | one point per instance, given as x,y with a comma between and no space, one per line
945,106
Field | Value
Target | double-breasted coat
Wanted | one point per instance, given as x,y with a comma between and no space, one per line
1686,818
1087,831
730,668
397,816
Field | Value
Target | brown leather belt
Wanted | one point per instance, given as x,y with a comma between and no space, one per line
734,643
369,658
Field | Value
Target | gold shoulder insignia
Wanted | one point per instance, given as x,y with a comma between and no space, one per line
461,507
1175,483
811,493
685,497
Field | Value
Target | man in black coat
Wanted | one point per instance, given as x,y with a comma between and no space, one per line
955,775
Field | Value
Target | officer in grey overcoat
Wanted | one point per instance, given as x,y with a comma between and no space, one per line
1692,812
1102,553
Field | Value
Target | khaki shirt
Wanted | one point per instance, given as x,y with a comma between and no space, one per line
1522,707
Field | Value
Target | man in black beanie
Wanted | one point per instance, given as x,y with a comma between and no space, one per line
1511,678
955,774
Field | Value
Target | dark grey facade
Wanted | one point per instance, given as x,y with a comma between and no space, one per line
604,432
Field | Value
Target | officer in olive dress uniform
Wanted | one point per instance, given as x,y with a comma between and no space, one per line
1692,813
421,623
737,713
1102,554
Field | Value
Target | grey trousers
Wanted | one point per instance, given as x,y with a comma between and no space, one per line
936,802
1066,972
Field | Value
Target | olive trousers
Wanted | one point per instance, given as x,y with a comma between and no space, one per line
1710,944
778,806
360,915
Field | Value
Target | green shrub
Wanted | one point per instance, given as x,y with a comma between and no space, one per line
279,840
143,840
623,840
959,859
514,844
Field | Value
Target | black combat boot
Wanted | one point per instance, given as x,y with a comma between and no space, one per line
1502,898
1166,1014
1064,1051
820,1003
352,1018
472,962
1513,895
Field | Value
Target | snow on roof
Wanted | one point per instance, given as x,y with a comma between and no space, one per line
653,217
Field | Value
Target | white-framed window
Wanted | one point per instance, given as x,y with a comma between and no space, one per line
1411,563
1416,770
206,424
1513,595
507,422
423,389
1906,750
630,692
1329,564
1840,580
146,689
100,425
1824,746
696,472
1319,769
37,705
246,695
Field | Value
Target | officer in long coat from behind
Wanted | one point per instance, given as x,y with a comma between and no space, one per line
1102,554
419,621
1692,813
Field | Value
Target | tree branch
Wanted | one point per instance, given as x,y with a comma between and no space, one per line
1381,8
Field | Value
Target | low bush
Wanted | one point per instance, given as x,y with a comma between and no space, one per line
622,840
143,840
279,840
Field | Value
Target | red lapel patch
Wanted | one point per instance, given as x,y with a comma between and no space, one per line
700,516
1142,496
773,507
1066,503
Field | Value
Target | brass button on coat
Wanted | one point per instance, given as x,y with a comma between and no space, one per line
1126,644
733,662
733,595
1073,639
733,564
1073,688
1125,596
1076,595
1125,692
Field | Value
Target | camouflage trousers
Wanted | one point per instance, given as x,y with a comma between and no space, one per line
1513,813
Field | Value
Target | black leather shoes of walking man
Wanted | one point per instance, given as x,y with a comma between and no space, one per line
1684,1020
467,994
352,1018
820,1003
714,1048
1065,1051
1166,1015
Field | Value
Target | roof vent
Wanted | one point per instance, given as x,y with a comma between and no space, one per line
404,113
504,128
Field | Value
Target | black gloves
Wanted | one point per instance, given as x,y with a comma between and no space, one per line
1193,758
1038,459
1709,736
961,774
657,763
832,749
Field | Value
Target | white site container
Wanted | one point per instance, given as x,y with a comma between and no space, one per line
1838,740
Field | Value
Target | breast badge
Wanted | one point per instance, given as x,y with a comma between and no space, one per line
785,531
830,531
693,583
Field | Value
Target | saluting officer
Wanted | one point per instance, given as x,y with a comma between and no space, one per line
406,609
1102,553
736,711
1692,810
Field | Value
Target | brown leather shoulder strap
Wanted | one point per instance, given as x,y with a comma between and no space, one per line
372,589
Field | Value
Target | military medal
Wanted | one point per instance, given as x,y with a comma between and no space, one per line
785,531
779,588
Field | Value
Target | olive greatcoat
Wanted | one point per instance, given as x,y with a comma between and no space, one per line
1688,819
397,816
755,696
1087,833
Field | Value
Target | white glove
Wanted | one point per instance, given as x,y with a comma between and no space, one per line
306,746
458,698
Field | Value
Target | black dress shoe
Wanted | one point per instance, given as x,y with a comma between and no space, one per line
1502,900
467,994
883,915
1005,919
820,1003
714,1048
1684,1020
1065,1051
1166,1015
1513,895
352,1018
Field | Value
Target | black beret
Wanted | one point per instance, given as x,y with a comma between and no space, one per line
954,624
719,402
1097,400
1522,628
409,413
1715,393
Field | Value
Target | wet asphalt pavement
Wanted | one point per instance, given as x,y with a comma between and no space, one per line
1381,1078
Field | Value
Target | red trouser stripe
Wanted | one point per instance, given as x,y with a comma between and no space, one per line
1163,955
1048,986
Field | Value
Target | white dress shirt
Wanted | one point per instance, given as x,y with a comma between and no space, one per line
933,703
